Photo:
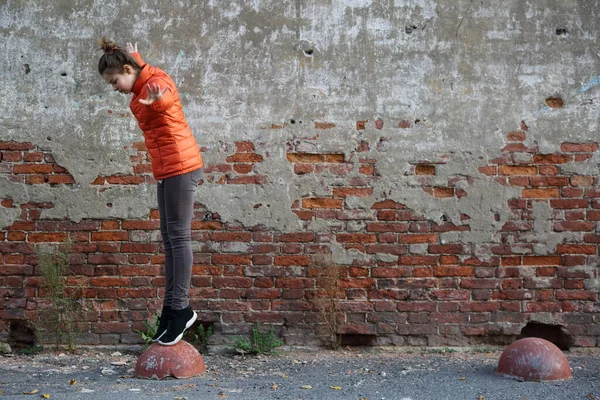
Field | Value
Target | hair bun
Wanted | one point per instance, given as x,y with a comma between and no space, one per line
107,45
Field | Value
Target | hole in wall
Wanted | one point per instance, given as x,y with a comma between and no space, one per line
410,29
63,74
309,52
562,31
556,334
292,121
21,334
351,339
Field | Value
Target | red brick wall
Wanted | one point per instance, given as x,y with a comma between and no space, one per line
447,296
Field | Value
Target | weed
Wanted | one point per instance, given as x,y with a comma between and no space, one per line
2,348
202,336
150,330
260,342
31,350
60,315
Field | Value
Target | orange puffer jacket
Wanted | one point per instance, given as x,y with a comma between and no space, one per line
169,139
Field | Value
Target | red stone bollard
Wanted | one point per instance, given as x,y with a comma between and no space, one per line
179,361
534,359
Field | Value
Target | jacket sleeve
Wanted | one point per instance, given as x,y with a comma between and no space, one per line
138,58
168,98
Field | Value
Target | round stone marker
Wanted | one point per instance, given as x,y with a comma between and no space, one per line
534,359
179,361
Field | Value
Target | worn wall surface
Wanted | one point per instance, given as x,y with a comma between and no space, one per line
406,149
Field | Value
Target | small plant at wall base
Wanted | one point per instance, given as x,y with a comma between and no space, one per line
59,317
150,330
201,337
260,342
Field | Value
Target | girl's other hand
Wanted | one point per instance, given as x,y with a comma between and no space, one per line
154,94
132,48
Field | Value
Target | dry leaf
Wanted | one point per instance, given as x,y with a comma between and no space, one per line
222,395
306,387
45,396
462,379
32,392
363,398
336,387
73,382
481,397
275,386
284,376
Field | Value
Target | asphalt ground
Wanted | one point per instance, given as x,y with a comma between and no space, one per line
297,374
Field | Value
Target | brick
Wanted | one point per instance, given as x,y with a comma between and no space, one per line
425,169
230,236
46,237
452,271
32,169
358,192
516,136
540,193
552,158
302,169
291,260
109,281
355,238
564,204
576,249
574,226
517,170
413,239
232,282
367,169
387,227
139,248
326,203
125,180
142,225
582,180
324,125
61,179
11,156
230,259
244,147
542,260
299,237
16,146
488,170
245,158
109,236
443,192
548,181
579,147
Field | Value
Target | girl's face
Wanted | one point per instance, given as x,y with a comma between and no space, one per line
121,81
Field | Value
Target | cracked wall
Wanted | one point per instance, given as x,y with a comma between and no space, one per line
309,115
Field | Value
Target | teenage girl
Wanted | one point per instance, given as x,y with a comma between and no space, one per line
176,165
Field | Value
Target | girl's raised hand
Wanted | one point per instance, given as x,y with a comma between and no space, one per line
132,48
154,94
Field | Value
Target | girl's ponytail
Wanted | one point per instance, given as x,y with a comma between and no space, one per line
114,58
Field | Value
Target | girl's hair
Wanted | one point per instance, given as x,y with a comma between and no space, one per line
114,58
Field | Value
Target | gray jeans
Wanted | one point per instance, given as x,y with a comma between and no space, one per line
176,197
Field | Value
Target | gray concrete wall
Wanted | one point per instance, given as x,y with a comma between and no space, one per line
470,71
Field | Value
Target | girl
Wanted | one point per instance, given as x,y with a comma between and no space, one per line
176,165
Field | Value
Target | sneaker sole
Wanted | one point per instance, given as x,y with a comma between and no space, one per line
158,338
178,338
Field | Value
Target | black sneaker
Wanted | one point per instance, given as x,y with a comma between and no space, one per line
180,320
163,322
